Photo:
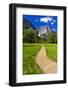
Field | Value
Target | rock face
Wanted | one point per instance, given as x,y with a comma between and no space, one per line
27,24
44,31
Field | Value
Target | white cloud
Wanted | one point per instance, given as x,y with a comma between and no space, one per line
46,19
54,20
50,19
52,23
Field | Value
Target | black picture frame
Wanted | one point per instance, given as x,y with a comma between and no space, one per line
12,44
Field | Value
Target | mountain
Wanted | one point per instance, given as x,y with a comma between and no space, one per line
27,24
44,32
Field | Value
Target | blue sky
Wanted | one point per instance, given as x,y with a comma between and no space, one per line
38,21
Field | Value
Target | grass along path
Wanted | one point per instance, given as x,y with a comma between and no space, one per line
30,51
51,50
42,60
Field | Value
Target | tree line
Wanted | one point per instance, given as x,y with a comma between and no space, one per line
30,36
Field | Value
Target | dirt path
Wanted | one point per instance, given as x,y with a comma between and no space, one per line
48,66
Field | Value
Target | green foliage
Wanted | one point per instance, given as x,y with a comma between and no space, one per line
41,40
29,36
52,38
51,50
29,64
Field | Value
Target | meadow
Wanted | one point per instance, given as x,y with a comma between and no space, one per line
29,54
51,50
30,51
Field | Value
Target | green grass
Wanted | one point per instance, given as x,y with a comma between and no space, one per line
29,53
51,50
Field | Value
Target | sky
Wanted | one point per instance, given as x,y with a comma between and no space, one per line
38,21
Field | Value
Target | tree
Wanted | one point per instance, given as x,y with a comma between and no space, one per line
29,36
52,38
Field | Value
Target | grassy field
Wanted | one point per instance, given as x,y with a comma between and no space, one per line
29,53
51,50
